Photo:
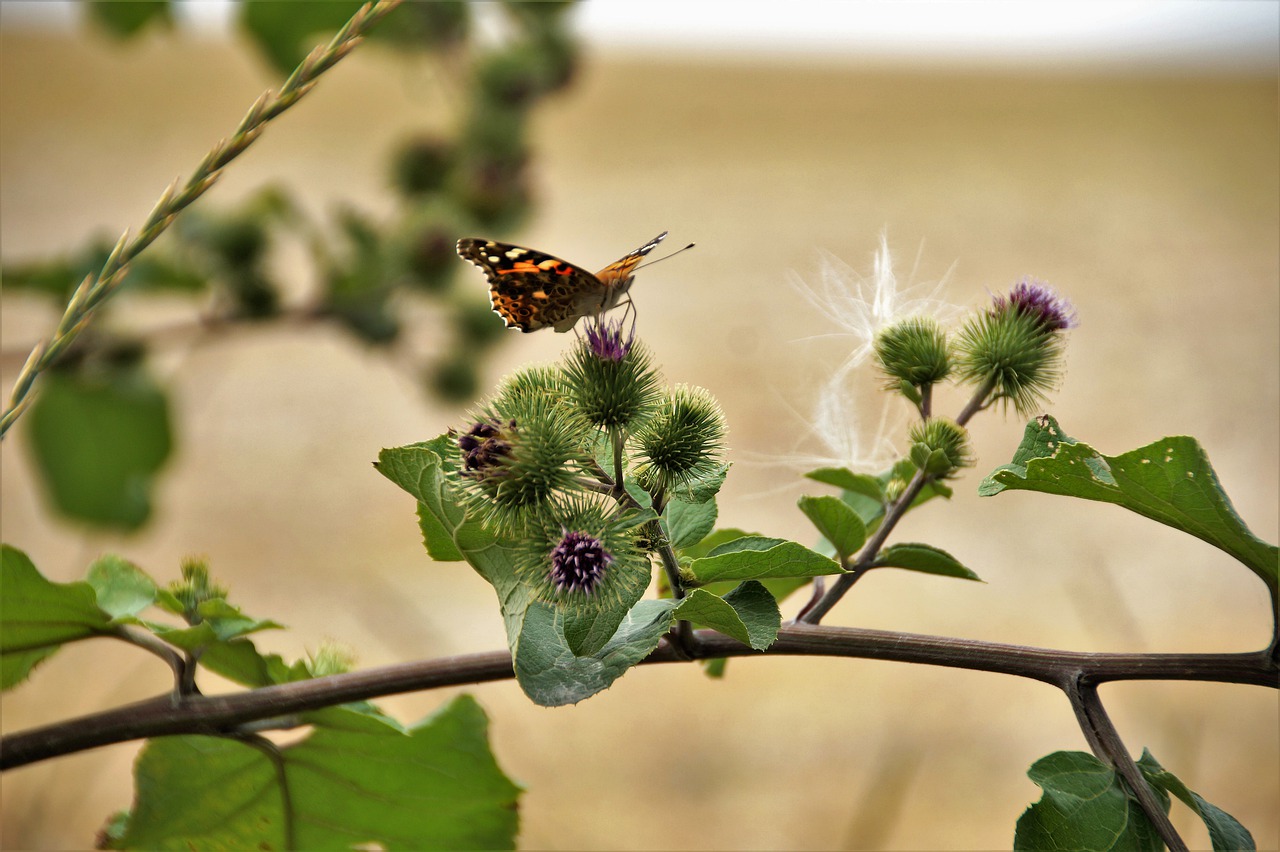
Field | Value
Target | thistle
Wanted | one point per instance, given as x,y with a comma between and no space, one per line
682,443
611,378
1016,346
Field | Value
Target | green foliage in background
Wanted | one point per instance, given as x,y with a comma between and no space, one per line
365,271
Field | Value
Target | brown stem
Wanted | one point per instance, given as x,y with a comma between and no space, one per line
222,714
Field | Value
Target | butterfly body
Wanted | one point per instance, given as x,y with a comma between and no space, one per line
532,290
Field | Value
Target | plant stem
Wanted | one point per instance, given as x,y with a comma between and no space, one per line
220,714
844,582
1105,742
96,289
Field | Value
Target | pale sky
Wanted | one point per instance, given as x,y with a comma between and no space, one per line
1227,33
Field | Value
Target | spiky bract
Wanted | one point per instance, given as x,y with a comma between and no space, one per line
524,448
682,442
915,351
611,378
940,447
1015,349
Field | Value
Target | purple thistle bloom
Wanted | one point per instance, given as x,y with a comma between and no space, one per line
605,340
1033,298
579,562
483,447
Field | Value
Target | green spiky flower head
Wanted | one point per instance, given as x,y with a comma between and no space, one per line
682,443
940,447
1017,345
522,450
584,560
611,377
915,351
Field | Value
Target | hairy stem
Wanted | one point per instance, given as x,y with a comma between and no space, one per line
221,714
96,289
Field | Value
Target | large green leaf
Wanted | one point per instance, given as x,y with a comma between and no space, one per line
1084,807
838,523
757,557
1170,481
1225,832
422,470
98,441
38,616
357,780
689,523
552,675
925,558
748,613
122,589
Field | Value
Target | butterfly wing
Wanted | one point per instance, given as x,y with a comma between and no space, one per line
529,289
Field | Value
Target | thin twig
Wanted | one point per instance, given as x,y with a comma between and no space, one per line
221,714
96,289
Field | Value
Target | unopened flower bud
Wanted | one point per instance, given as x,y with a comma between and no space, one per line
940,447
914,351
682,442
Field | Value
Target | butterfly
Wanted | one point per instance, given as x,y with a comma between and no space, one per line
532,290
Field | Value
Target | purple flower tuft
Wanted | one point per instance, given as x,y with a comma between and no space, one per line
484,446
1033,298
579,562
606,342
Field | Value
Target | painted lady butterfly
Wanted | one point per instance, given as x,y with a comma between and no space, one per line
532,290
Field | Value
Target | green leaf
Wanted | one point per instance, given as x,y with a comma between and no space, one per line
98,440
837,522
1084,807
757,557
1225,832
689,523
240,661
125,18
359,780
1170,481
847,480
422,470
712,541
38,616
286,32
923,557
748,613
122,589
552,675
704,488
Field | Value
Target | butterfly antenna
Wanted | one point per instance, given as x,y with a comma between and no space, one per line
660,259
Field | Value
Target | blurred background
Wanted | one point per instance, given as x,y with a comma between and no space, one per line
1126,153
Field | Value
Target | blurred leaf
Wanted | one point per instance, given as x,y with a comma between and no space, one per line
748,613
1169,481
98,440
127,18
925,558
358,780
552,675
122,589
689,523
1084,807
38,616
837,522
1225,832
758,557
286,32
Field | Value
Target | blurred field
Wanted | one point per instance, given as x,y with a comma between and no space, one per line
1153,202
